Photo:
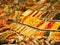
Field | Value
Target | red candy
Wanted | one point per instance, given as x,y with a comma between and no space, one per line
3,22
49,25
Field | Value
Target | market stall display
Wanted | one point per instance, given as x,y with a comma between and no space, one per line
30,22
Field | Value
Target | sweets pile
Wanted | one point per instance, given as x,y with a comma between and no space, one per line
30,23
42,20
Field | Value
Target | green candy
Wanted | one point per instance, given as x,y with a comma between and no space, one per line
6,9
